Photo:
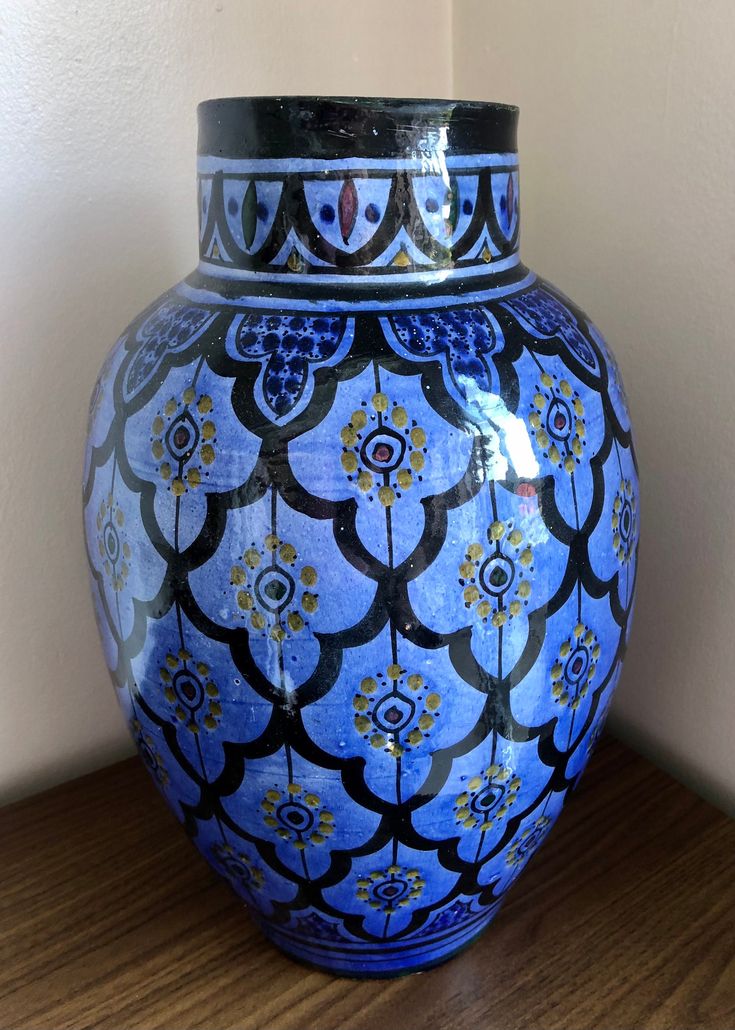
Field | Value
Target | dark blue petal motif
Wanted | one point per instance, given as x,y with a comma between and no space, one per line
456,913
465,336
287,344
313,925
169,330
546,316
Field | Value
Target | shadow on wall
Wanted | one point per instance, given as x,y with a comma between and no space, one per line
84,269
653,269
673,701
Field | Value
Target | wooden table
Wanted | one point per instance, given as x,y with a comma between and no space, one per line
626,919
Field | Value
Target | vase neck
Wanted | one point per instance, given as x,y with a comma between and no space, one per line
415,200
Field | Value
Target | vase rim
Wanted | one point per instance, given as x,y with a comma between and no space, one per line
352,126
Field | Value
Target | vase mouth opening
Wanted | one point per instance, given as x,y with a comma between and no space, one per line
330,127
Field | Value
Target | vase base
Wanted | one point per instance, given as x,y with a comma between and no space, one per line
362,961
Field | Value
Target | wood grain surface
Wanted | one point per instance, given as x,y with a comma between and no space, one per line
109,919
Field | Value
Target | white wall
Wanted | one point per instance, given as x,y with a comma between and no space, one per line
627,169
627,147
97,216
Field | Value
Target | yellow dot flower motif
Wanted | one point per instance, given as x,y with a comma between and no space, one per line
275,589
147,750
297,815
112,544
395,711
625,522
188,688
557,422
391,888
383,450
183,440
494,575
238,867
487,798
528,841
575,667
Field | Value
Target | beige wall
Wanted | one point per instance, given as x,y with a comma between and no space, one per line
627,140
627,168
97,217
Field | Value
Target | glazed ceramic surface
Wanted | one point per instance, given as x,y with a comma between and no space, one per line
361,514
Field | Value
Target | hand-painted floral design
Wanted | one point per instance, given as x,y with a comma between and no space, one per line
183,440
238,867
528,841
457,912
102,384
487,798
275,589
547,316
383,449
286,346
170,329
557,421
391,888
574,669
188,688
584,753
147,750
314,925
464,337
625,521
297,815
495,575
112,543
395,711
506,204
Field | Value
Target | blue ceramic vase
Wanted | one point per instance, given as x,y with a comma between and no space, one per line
361,516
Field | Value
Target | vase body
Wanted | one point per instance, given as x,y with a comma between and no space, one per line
361,513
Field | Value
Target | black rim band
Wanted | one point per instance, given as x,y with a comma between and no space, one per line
334,127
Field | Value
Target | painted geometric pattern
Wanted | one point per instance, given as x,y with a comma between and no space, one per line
364,587
341,221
